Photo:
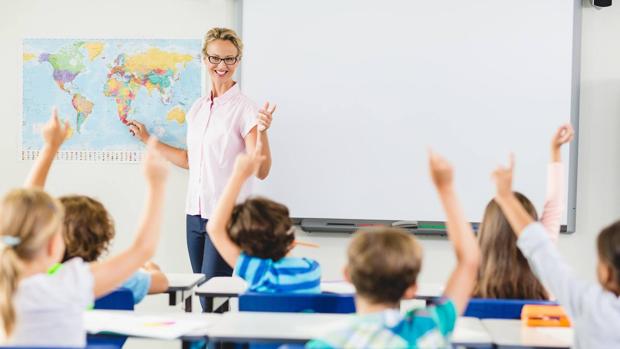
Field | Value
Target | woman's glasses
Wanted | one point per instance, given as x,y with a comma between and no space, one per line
227,60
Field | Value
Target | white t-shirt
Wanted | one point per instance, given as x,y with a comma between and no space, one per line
50,308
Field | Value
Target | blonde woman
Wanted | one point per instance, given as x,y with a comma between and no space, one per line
220,125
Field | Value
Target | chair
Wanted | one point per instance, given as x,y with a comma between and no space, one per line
294,303
120,299
297,303
499,308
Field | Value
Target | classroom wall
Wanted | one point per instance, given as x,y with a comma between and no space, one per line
120,186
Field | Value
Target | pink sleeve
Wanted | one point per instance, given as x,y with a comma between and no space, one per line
552,211
248,118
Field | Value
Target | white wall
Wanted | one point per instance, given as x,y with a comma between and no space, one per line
120,187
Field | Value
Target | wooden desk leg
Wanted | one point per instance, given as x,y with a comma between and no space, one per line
188,304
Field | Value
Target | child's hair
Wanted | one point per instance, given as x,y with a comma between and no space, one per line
383,263
608,245
504,271
28,219
262,228
89,228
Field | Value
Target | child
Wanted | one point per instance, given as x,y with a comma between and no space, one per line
88,230
383,265
37,309
255,237
593,307
504,272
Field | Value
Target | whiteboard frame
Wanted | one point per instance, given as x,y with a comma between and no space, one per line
571,200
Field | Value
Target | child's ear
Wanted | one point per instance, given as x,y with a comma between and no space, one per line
410,292
605,275
345,273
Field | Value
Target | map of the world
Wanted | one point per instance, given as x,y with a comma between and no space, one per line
99,85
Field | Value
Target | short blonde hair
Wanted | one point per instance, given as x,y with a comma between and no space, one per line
383,263
222,34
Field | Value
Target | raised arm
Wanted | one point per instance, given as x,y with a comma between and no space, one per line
516,215
176,156
245,167
541,253
462,280
553,208
54,134
110,273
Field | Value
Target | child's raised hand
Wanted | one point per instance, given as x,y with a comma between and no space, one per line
155,166
247,165
441,170
503,179
54,131
563,135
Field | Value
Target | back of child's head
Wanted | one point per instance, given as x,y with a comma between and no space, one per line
608,246
383,263
262,228
504,271
89,228
29,218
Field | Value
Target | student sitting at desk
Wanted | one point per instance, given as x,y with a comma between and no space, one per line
383,265
504,271
594,307
37,309
256,236
89,228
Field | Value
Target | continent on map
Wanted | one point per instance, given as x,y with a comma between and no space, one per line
154,69
94,49
83,107
176,114
67,63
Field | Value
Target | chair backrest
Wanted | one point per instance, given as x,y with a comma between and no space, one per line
297,303
119,299
499,308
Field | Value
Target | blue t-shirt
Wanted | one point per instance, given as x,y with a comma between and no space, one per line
139,284
429,327
288,274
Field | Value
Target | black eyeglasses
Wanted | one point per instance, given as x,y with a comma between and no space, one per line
227,60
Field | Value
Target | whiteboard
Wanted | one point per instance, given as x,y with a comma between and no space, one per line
363,88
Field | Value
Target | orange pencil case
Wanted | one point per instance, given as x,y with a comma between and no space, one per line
544,316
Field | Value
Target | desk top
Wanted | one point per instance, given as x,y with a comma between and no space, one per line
512,333
233,286
222,286
184,282
149,325
301,327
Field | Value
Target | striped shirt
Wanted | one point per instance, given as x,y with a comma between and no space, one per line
429,327
288,274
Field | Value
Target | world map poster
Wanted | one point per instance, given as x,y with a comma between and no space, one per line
98,85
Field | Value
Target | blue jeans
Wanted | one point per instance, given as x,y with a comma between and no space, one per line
202,254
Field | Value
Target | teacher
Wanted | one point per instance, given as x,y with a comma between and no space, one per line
220,126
